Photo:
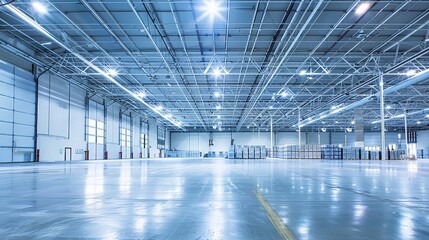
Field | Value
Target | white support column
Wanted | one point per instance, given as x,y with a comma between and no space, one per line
299,133
406,132
383,137
271,137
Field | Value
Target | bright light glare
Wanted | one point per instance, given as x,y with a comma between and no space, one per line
388,107
218,107
411,73
323,129
39,7
159,107
353,122
217,94
349,129
427,115
363,7
141,94
271,107
418,122
216,72
212,10
302,72
112,72
284,94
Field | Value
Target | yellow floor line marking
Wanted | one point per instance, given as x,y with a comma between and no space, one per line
284,232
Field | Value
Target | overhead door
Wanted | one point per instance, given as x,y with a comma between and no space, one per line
17,114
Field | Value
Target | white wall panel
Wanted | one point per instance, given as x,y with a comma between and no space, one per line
422,139
52,147
24,106
43,106
5,154
288,138
23,141
6,128
153,138
6,115
5,88
6,102
59,107
6,140
24,118
25,95
23,130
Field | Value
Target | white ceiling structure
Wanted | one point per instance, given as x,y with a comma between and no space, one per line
232,65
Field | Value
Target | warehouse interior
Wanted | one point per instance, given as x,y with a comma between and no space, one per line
214,119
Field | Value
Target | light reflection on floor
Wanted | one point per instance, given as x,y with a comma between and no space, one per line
214,199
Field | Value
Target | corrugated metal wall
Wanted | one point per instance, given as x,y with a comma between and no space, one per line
17,111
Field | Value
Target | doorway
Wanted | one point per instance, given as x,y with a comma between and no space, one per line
67,154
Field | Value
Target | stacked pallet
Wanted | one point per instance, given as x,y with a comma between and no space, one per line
423,153
332,152
247,152
182,154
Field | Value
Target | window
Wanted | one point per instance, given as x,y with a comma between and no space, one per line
125,130
95,127
144,137
125,137
161,138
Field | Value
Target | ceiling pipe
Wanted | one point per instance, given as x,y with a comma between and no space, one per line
24,17
421,76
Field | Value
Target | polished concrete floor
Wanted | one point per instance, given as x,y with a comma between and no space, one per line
214,199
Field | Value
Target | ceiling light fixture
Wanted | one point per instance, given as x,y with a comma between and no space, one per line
353,122
418,122
46,43
349,129
323,129
212,9
302,72
112,72
216,72
218,107
39,7
217,94
362,8
141,94
411,72
388,107
284,94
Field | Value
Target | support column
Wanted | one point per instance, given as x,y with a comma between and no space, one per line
406,132
359,128
383,137
299,133
271,137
